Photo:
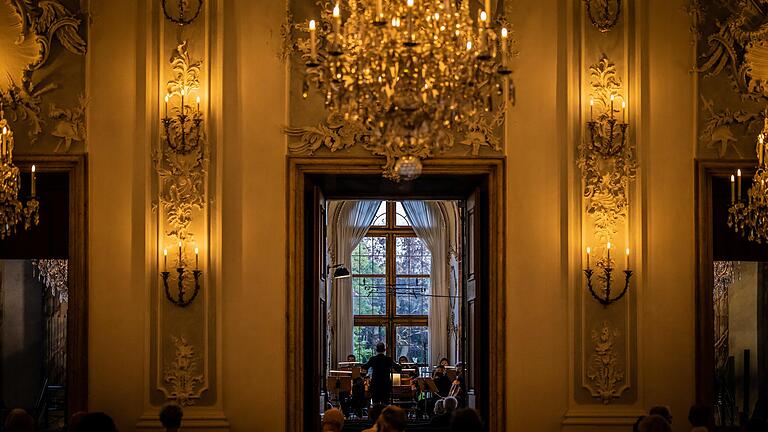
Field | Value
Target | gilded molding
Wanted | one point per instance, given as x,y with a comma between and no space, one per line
605,371
606,159
182,375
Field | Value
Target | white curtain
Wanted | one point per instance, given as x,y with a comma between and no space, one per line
428,219
350,221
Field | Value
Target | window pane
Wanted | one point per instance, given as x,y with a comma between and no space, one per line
381,215
412,256
411,296
364,340
400,216
370,256
412,343
369,296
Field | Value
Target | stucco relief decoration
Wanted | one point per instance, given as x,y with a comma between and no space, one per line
40,24
336,133
183,157
182,376
606,156
734,66
603,14
605,371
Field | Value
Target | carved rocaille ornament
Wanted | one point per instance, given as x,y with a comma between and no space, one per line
603,14
606,157
182,376
45,22
605,372
734,66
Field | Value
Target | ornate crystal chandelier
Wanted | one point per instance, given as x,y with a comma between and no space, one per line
750,216
413,74
11,209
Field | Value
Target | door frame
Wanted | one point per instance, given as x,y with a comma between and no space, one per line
77,313
298,170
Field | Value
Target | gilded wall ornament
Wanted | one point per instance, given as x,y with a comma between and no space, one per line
606,157
605,371
737,51
182,164
603,14
69,124
182,375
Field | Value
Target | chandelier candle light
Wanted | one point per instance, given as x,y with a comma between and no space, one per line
12,211
180,299
749,216
411,72
607,266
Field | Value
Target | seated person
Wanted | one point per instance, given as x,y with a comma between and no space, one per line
96,422
459,386
403,359
333,420
392,419
351,358
442,381
444,362
357,402
466,420
444,420
170,417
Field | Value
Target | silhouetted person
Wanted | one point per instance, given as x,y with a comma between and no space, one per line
373,415
636,426
74,420
466,420
381,369
96,422
698,416
663,411
655,423
392,419
442,381
351,358
19,420
170,417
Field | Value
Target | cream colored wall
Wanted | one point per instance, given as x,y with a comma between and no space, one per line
253,200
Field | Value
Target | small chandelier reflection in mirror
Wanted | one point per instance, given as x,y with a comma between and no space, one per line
412,72
749,216
12,211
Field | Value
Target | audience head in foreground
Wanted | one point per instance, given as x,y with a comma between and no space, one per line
655,423
96,422
450,404
392,419
663,411
19,420
333,420
636,426
170,417
439,407
466,420
698,416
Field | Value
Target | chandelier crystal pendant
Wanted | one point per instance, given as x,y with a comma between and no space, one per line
412,73
12,211
749,216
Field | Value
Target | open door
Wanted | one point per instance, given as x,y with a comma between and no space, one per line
315,308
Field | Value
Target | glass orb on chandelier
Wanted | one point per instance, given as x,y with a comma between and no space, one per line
12,211
412,73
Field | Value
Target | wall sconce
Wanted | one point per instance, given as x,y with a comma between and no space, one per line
606,265
183,131
341,271
180,299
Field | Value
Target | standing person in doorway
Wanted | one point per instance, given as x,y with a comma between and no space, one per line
381,367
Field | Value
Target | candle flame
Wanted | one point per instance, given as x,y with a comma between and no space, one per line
591,102
312,24
609,245
738,172
589,249
166,98
165,252
504,32
336,11
196,250
410,3
483,16
469,45
627,251
179,244
623,105
733,179
33,168
198,99
612,97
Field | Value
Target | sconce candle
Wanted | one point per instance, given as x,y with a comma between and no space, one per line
166,106
197,256
733,189
612,97
738,184
588,251
626,260
623,112
488,7
591,106
379,11
165,259
198,103
337,20
34,185
313,40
